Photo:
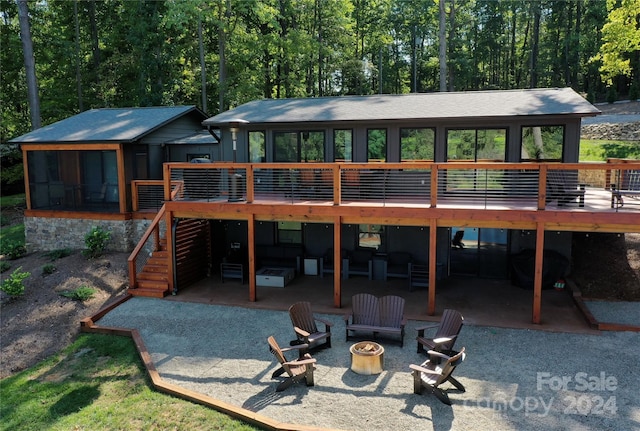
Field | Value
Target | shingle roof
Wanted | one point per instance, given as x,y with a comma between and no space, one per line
107,125
200,137
415,106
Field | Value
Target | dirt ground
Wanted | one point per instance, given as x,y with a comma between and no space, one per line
41,322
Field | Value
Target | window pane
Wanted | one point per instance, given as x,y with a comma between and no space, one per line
377,145
343,140
289,232
491,144
472,144
417,144
312,146
285,147
370,236
257,147
542,143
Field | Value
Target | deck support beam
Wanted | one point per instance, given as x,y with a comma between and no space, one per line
433,266
537,280
251,242
171,270
337,262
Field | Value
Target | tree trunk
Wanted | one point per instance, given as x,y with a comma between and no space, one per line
78,66
29,64
442,57
452,35
203,67
535,44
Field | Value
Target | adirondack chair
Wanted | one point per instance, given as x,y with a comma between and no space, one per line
445,336
304,325
563,186
297,370
377,315
434,372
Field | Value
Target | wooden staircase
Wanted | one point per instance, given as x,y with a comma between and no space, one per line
193,254
153,281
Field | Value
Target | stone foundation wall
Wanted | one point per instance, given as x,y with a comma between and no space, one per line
46,234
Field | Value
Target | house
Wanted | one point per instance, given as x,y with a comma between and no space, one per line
418,187
79,171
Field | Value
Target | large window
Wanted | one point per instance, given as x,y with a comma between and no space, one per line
305,146
377,145
343,145
257,147
417,144
542,143
476,144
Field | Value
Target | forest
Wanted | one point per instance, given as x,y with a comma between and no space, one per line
218,54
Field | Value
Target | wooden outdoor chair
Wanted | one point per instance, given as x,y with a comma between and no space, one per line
383,315
304,325
297,370
434,372
445,336
563,186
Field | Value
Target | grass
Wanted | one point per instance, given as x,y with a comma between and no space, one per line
99,383
15,233
595,150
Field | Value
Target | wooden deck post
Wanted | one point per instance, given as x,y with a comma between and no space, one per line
537,280
251,244
170,251
337,262
433,266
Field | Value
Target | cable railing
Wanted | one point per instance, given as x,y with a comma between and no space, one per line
529,185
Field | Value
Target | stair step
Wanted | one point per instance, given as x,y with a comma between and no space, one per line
156,268
152,276
153,284
149,293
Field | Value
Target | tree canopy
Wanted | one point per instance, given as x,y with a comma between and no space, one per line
117,53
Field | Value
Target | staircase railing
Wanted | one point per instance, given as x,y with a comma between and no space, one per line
149,243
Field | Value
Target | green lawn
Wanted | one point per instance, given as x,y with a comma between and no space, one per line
99,383
595,150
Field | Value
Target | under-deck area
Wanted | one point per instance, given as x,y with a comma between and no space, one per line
482,302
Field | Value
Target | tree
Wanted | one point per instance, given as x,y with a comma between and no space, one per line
29,64
621,37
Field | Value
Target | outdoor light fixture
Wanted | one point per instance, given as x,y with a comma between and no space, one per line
234,127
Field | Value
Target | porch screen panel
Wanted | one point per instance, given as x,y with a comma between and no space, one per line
542,143
417,144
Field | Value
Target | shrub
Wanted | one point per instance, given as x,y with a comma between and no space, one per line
96,241
58,254
4,266
82,293
48,269
13,249
13,285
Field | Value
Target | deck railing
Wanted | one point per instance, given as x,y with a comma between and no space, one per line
456,184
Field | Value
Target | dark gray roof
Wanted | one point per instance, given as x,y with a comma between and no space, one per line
201,137
414,106
107,125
